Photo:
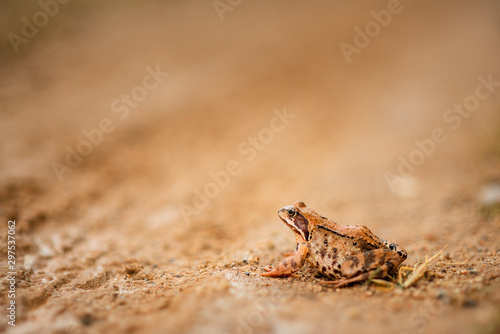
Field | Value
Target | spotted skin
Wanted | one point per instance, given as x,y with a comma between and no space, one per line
344,253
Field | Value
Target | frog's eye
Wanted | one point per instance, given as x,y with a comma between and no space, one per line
292,212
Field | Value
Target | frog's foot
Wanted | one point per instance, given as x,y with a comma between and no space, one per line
289,265
269,268
271,272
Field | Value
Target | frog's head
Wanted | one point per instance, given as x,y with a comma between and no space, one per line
293,217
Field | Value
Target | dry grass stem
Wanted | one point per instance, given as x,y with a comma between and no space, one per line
418,271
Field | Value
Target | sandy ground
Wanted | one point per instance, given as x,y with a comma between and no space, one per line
135,236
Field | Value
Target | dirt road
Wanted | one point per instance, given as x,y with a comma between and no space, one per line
146,149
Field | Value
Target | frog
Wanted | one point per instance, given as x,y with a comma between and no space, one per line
343,253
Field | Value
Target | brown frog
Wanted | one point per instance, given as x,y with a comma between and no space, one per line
344,253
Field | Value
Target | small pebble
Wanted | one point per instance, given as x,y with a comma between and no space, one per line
470,303
473,271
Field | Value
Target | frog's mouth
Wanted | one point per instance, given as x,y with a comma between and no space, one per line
293,218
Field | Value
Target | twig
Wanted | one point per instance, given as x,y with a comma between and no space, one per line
418,271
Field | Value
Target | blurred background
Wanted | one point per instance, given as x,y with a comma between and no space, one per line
146,148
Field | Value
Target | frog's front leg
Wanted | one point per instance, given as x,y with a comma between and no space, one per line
370,264
291,264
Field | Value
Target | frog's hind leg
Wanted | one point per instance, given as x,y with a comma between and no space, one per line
289,265
378,272
340,283
395,248
376,263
